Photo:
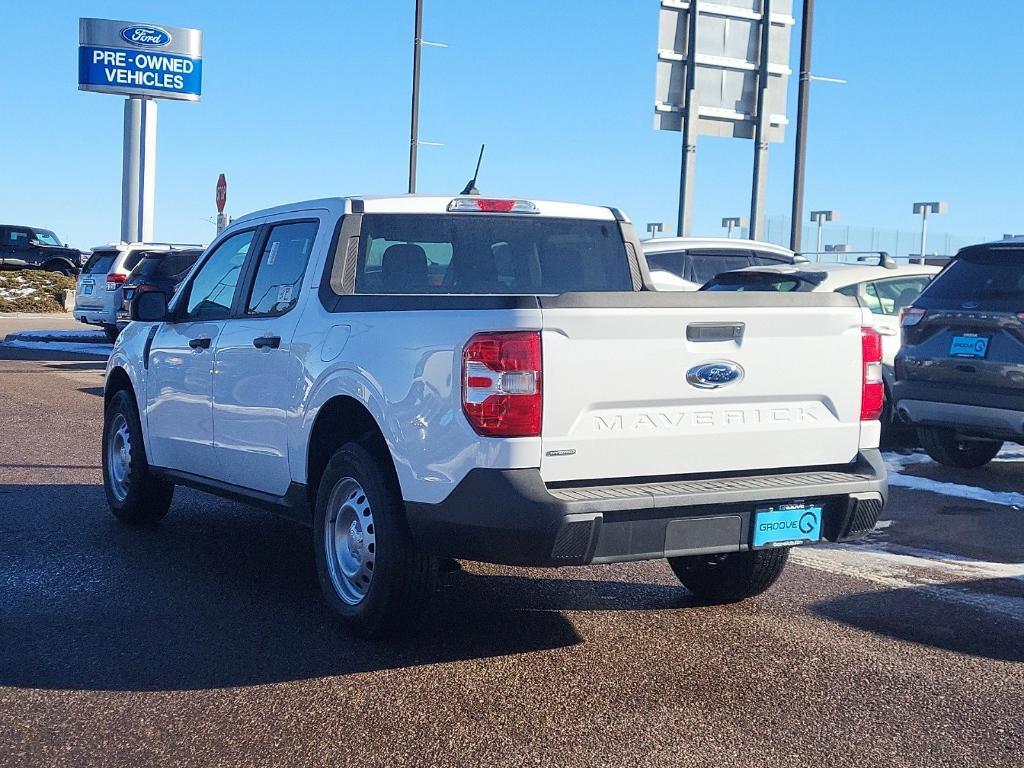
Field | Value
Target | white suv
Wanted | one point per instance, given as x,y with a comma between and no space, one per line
492,379
98,292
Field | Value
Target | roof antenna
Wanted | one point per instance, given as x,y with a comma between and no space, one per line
470,188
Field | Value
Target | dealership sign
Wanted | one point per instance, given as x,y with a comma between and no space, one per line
140,59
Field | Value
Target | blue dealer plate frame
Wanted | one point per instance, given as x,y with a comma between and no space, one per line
969,345
786,525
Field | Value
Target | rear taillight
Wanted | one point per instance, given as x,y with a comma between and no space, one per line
502,393
872,393
910,316
114,281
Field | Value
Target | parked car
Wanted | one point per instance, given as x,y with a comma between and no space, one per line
98,295
960,373
156,271
35,248
879,284
423,377
686,263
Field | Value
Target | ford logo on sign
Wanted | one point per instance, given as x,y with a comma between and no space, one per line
145,35
714,375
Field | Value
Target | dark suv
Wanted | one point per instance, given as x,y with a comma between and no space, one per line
157,271
34,248
960,372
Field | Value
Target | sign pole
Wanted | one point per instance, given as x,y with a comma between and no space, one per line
414,129
803,103
687,170
760,180
138,171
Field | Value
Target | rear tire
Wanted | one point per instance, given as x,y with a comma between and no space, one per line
946,448
370,572
60,269
134,495
730,577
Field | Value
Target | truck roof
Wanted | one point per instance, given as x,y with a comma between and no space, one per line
429,204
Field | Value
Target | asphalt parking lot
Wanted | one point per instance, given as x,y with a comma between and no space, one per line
204,641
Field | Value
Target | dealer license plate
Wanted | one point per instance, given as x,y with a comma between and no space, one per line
969,346
785,525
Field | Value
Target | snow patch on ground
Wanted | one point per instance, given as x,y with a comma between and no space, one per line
82,348
63,336
896,462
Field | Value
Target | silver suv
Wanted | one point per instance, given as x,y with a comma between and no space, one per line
98,295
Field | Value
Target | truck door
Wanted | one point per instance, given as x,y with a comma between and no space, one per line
259,379
179,384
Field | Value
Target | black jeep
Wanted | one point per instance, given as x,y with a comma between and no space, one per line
34,248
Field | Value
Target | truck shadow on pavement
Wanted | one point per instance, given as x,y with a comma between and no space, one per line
914,615
219,595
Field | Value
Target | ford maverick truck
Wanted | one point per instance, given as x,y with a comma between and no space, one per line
420,378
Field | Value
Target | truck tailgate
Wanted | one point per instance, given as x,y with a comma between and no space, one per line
618,404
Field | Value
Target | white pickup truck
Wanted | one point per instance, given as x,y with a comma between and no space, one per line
488,379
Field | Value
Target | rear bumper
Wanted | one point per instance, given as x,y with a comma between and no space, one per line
512,517
988,414
95,316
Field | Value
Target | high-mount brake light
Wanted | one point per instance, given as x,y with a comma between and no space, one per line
490,205
911,316
872,393
502,394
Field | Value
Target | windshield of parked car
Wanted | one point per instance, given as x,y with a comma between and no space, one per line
989,280
46,237
698,265
467,254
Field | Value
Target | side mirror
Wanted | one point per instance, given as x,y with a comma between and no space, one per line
149,307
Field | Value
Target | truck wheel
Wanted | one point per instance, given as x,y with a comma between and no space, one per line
730,577
133,494
60,268
370,572
946,448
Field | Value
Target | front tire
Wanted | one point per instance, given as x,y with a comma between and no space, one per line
370,572
946,448
134,495
730,577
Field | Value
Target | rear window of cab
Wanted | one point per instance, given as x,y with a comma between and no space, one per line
489,254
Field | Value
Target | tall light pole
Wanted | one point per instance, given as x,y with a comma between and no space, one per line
803,104
737,222
654,227
819,218
414,131
924,209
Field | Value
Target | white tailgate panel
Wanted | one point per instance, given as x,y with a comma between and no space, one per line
617,403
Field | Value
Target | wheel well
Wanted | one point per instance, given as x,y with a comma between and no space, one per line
116,381
343,420
57,263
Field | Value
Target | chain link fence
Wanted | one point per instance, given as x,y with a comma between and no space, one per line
898,243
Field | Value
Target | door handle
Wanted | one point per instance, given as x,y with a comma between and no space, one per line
268,342
200,343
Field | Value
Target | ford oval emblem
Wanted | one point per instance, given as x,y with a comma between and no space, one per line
714,375
145,35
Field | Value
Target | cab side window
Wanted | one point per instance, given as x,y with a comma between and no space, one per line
275,289
212,291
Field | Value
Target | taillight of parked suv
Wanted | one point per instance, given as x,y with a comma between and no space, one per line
502,394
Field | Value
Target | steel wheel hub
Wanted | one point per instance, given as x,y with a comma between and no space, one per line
119,457
350,541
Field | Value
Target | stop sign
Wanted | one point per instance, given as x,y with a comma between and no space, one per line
222,193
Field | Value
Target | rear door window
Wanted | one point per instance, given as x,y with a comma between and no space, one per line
275,289
756,281
707,263
486,254
890,296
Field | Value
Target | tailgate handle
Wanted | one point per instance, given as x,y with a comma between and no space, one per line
714,331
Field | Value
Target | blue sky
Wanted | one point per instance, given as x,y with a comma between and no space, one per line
311,99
